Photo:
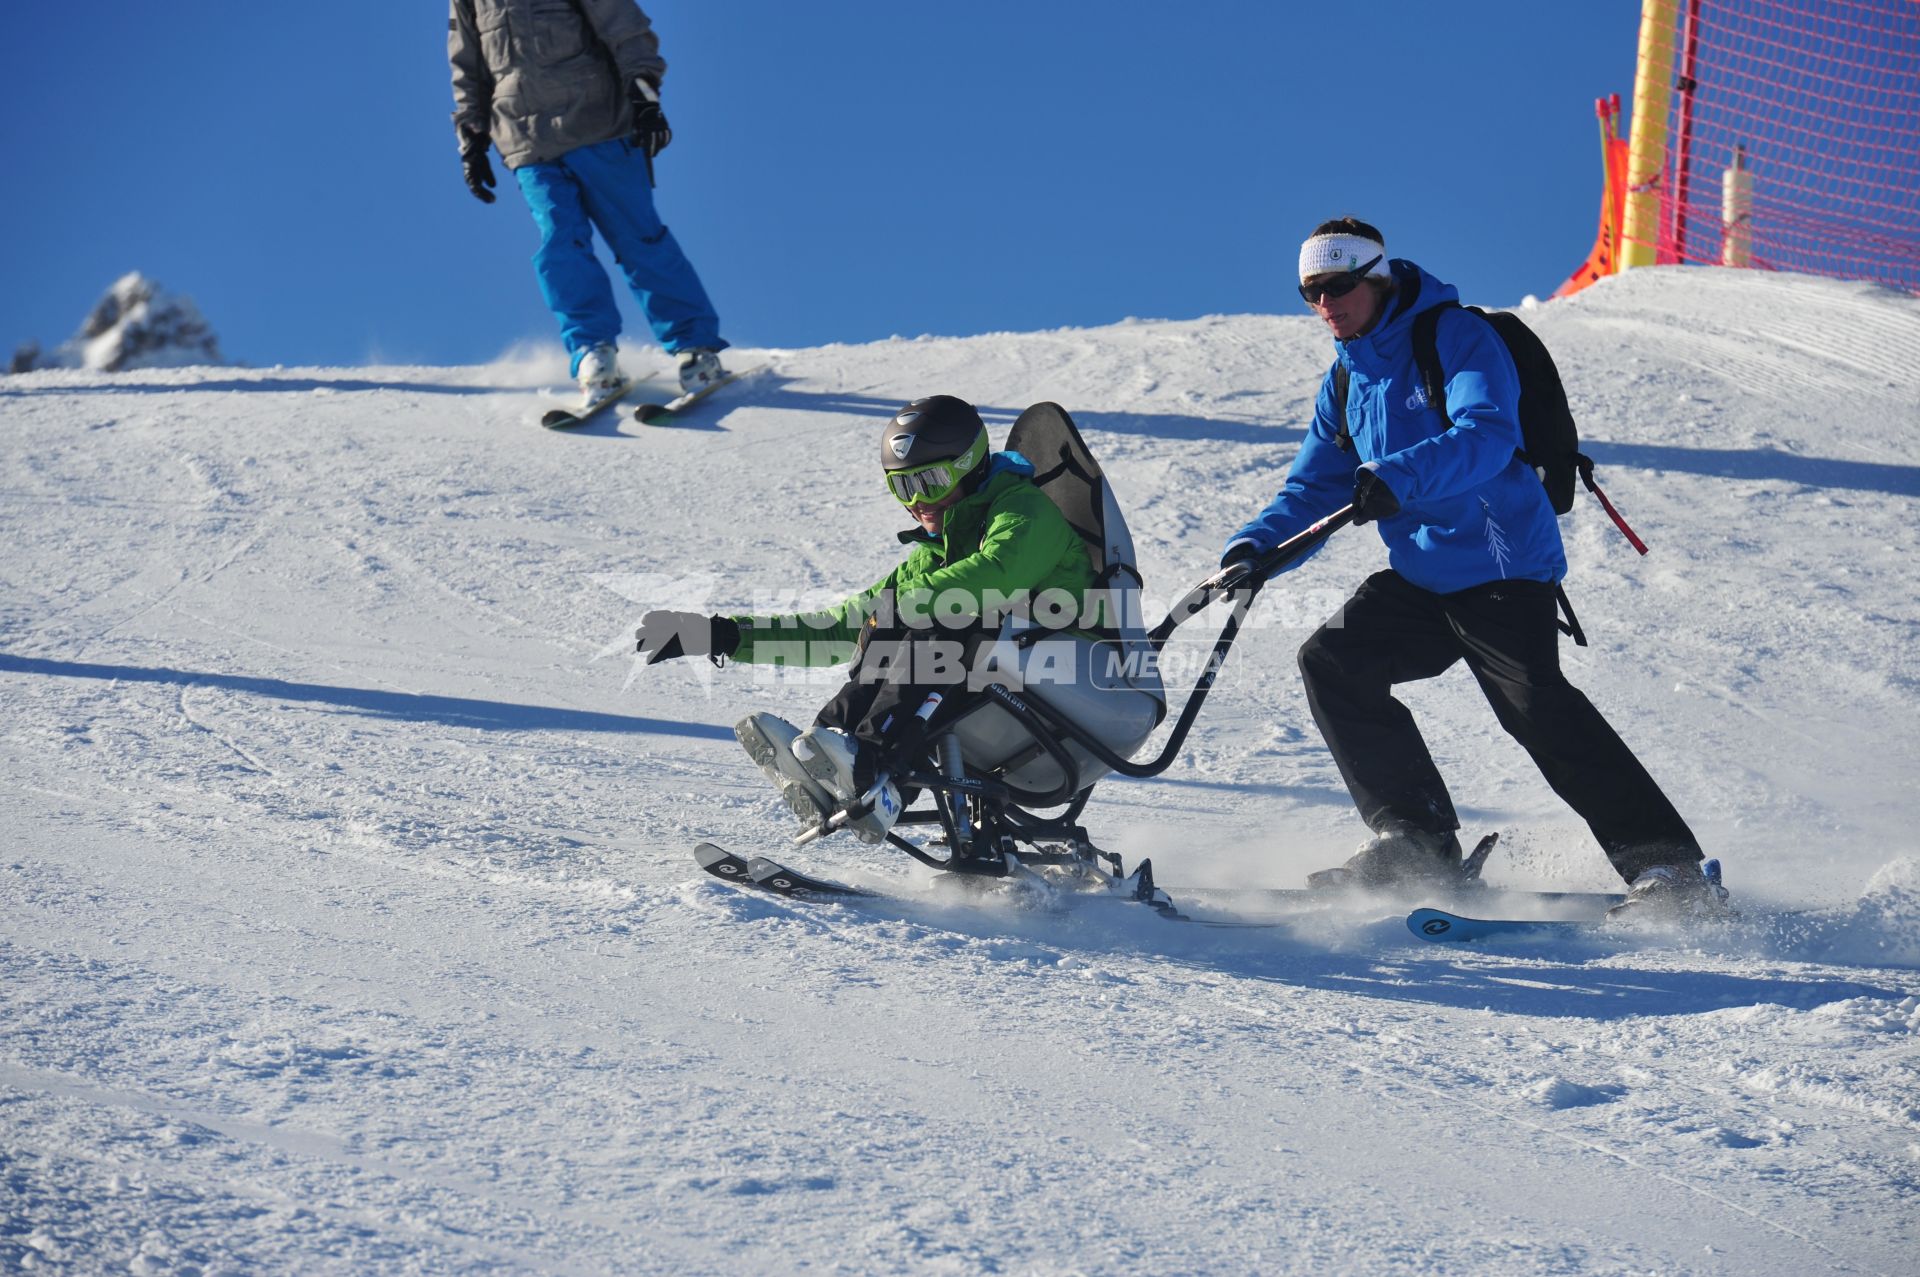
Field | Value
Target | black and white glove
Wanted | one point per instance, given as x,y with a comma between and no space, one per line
474,162
650,133
1372,498
668,636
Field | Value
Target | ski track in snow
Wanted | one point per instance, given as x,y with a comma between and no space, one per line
350,923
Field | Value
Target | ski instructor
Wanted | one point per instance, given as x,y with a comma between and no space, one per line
570,93
1474,556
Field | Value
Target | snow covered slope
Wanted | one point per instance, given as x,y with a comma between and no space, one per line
350,924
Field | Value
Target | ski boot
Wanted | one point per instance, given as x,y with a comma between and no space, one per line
1397,860
699,368
768,740
830,759
598,373
1675,893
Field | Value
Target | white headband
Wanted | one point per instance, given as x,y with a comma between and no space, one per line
1324,254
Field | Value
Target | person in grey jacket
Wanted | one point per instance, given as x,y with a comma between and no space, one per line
569,91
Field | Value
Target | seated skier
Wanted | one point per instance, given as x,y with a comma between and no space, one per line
988,541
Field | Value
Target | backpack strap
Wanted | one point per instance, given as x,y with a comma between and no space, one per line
1426,358
1570,626
1426,355
1341,435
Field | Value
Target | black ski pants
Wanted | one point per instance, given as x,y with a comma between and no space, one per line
1392,631
891,676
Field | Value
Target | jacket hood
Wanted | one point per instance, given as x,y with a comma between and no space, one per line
1006,463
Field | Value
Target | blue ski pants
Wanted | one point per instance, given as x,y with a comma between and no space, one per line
605,187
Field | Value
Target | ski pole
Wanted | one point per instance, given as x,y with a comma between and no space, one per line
1248,574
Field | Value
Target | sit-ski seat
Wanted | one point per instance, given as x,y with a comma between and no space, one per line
1109,687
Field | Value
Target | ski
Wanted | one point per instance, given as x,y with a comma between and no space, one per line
767,875
775,876
663,413
1440,927
567,418
721,863
1308,899
1331,889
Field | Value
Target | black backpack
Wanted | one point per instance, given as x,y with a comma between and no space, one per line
1550,442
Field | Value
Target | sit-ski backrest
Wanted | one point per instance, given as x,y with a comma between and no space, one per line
1065,470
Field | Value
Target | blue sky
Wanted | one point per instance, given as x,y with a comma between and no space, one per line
842,171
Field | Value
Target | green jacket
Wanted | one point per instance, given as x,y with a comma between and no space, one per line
1004,544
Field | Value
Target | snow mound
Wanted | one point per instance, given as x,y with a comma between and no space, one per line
136,324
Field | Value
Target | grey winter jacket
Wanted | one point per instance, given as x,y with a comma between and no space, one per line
546,76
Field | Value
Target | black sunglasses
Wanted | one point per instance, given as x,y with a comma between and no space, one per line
1340,285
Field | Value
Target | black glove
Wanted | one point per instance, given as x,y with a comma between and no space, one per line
1372,499
1240,552
651,132
474,162
668,636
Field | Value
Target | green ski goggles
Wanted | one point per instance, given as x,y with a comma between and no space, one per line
935,482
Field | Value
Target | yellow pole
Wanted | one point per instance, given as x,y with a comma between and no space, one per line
1647,140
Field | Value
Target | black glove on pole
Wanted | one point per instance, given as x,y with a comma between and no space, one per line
668,635
651,132
475,164
1372,499
1240,552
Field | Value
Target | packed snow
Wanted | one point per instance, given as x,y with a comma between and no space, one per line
351,924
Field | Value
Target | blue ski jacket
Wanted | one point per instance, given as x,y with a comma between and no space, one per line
1470,510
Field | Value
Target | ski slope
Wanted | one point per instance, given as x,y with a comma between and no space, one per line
350,923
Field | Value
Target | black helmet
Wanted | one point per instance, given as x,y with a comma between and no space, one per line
939,428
